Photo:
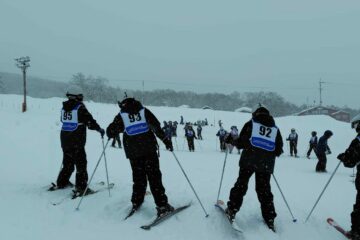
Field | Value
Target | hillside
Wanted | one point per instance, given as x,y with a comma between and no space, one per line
31,157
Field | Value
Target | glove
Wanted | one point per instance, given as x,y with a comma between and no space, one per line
102,132
168,144
341,156
229,140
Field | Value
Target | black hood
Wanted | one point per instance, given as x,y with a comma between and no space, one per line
130,105
70,105
264,119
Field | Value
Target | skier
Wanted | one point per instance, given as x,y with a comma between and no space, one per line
199,130
293,140
181,120
116,139
322,149
261,142
75,118
312,143
221,134
190,135
234,134
140,126
174,129
351,158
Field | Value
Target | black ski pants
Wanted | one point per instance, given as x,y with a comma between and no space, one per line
145,169
263,190
321,165
311,147
74,157
355,215
116,139
293,148
222,144
191,144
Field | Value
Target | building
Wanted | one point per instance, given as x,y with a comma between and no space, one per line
332,112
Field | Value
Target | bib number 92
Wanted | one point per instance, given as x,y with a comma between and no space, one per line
265,131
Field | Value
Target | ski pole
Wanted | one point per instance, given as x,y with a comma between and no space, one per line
322,192
106,169
282,194
206,214
222,175
97,164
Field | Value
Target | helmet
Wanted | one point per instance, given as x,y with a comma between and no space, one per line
355,122
260,109
130,105
313,133
293,130
74,92
328,133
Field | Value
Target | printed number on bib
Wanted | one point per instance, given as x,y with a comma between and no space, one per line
265,131
67,116
134,117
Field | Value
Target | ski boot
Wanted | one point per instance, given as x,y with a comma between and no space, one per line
270,224
56,187
80,192
230,214
161,211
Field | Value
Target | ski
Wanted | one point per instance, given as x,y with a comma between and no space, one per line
338,227
76,195
71,196
54,187
219,205
164,217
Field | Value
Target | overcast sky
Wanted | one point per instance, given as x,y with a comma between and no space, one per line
200,45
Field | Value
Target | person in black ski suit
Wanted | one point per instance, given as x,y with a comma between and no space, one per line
190,135
351,158
221,134
261,142
322,149
140,126
293,140
116,139
75,118
312,143
199,130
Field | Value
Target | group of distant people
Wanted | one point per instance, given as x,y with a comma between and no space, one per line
320,147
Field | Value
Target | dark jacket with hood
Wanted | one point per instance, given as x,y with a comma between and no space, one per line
322,145
254,158
351,157
140,145
77,138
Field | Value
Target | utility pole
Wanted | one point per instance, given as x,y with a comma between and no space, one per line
320,90
143,86
23,64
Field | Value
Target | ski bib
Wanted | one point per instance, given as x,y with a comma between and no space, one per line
135,123
70,119
263,137
190,133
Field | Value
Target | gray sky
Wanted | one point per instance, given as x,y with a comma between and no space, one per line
201,45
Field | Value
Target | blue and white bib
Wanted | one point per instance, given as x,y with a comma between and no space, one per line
135,123
263,137
70,119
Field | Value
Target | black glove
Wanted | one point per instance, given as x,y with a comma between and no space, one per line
341,156
168,144
229,140
102,132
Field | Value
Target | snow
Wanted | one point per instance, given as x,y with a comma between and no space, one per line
31,157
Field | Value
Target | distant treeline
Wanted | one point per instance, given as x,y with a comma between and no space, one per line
98,89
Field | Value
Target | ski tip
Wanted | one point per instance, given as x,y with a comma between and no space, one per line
145,227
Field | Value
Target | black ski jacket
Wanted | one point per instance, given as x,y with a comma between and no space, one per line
140,145
255,158
77,138
351,157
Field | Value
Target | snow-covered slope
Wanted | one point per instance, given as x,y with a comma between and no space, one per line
31,157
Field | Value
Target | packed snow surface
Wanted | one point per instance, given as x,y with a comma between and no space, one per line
31,158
